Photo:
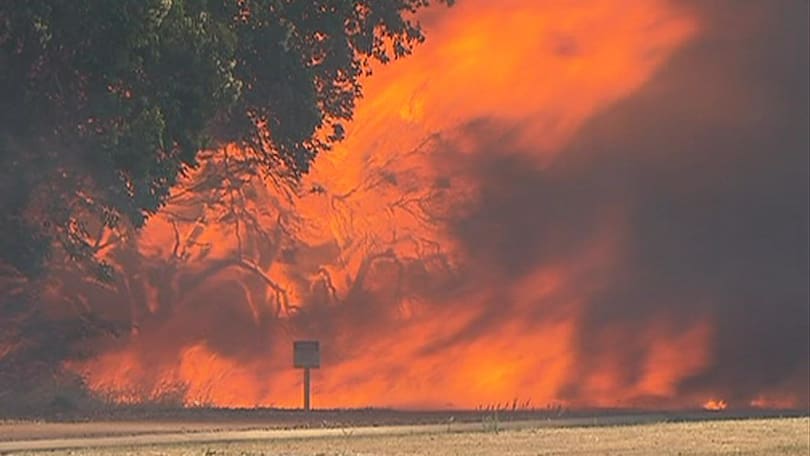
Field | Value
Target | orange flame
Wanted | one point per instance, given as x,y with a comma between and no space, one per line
715,405
372,227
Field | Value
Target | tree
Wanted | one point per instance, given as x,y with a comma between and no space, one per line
106,105
264,263
103,105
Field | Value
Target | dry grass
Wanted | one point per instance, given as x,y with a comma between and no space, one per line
787,436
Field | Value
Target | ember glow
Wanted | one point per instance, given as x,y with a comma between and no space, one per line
389,257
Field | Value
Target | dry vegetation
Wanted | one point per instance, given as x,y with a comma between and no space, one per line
786,436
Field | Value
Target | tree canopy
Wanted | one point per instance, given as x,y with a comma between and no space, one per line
105,104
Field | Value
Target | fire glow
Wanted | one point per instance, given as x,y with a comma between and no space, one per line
715,405
365,262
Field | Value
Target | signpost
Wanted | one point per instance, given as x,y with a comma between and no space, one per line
306,355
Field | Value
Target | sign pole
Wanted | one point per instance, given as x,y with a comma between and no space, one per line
306,389
306,355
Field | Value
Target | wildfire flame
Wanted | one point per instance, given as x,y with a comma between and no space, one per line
219,283
715,405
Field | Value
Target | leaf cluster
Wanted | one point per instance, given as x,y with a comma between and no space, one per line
104,105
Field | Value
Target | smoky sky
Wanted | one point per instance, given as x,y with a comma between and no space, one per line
709,164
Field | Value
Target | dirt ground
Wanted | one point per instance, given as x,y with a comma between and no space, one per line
773,436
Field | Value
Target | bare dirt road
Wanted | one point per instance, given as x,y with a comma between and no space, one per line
625,434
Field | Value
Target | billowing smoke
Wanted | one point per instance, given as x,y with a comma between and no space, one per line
708,166
548,202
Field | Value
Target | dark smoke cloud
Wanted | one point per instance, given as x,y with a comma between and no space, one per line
709,162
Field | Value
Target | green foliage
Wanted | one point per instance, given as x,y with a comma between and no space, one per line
104,104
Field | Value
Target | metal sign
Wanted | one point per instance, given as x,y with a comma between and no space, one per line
306,354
